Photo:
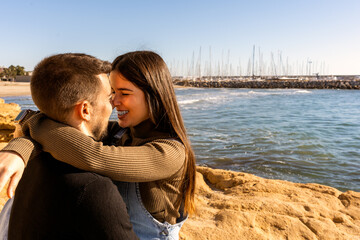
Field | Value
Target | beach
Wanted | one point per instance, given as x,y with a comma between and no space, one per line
239,205
8,89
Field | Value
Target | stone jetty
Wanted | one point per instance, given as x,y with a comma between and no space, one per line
352,83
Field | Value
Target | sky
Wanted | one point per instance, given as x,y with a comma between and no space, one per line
219,37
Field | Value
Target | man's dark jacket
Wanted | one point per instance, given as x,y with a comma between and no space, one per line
57,201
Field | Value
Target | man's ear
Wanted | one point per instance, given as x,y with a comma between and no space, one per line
83,110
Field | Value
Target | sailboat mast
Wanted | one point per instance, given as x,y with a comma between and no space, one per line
253,63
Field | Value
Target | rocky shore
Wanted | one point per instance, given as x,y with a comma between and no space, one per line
306,84
8,112
236,205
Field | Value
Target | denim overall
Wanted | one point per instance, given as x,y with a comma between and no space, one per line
144,224
5,218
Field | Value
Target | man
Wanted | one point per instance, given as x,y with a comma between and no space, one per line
54,200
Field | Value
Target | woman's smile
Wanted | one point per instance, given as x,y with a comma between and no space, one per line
122,114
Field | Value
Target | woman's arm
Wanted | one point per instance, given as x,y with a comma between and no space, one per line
25,146
152,161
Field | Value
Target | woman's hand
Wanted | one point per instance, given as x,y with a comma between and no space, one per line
11,167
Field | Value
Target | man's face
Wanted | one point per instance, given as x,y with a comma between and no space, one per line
102,109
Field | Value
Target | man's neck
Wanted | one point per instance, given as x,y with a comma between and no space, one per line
81,126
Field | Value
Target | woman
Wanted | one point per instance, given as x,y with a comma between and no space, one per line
151,156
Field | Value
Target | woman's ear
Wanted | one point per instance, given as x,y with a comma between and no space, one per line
83,110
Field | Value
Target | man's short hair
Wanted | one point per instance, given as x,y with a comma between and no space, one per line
60,81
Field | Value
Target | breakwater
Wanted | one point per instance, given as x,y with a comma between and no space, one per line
306,84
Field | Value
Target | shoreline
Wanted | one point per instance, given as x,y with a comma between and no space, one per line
11,89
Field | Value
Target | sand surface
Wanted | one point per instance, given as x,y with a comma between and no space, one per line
8,89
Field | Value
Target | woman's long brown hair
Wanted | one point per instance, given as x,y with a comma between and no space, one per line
148,71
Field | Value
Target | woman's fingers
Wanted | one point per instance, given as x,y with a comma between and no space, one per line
11,168
14,181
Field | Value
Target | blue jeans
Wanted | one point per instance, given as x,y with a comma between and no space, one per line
5,218
144,224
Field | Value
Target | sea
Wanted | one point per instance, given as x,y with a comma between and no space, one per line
304,136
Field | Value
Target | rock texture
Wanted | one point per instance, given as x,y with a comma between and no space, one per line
8,112
235,205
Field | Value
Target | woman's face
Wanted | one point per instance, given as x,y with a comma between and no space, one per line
128,100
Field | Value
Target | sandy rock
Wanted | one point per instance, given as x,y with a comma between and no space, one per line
8,112
238,205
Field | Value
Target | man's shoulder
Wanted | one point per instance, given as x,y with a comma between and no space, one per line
81,179
59,173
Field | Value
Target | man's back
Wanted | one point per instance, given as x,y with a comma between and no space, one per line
57,201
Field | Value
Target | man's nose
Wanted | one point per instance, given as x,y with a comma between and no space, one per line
112,103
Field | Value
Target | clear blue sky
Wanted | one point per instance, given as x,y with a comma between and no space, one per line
325,32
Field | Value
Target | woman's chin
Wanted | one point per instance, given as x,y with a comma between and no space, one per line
122,124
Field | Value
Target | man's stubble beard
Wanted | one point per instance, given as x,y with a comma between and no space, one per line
99,127
99,131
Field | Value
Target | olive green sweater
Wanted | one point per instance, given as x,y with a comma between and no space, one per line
142,154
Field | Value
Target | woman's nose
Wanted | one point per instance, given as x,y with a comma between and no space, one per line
115,100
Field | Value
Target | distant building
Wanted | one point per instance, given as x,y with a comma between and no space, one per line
22,78
8,79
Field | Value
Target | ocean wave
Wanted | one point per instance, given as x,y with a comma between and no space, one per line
303,91
189,101
201,100
278,92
